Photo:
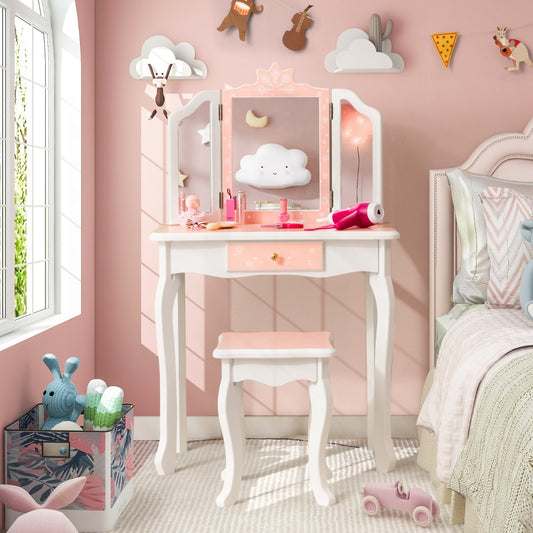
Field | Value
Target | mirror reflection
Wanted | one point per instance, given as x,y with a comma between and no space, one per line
356,155
194,173
276,151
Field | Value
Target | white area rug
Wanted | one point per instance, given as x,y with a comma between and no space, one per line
275,494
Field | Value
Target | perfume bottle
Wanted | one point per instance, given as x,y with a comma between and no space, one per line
283,215
241,207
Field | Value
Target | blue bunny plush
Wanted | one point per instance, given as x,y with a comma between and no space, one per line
526,284
61,400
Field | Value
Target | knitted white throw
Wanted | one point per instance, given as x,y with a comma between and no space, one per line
495,469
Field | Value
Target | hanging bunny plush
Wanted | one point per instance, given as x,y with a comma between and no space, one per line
61,400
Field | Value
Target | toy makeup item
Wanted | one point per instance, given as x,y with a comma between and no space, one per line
230,207
360,215
364,215
284,225
374,213
227,224
283,215
181,201
241,206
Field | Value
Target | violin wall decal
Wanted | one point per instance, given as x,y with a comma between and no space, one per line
295,38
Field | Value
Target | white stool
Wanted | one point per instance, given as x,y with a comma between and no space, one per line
274,358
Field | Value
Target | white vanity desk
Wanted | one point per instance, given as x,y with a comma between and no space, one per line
295,115
322,253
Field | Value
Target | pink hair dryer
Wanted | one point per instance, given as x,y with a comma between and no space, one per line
360,215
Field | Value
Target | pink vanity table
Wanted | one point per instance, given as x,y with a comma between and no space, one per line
249,249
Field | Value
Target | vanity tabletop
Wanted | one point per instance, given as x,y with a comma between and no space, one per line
254,232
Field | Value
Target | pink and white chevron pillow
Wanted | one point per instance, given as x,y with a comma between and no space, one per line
509,252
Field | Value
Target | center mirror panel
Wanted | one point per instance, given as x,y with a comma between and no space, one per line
276,138
276,151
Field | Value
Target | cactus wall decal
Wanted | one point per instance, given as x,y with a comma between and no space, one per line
358,51
375,32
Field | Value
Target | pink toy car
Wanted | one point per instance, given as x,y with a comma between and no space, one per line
422,507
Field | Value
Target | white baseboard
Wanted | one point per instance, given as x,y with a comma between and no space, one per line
207,427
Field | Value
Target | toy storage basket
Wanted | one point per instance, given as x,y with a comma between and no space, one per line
38,460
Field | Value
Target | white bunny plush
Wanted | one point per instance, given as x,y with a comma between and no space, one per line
44,518
60,398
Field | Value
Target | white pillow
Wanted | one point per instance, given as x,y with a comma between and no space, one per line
470,283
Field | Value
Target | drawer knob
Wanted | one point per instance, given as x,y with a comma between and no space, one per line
274,256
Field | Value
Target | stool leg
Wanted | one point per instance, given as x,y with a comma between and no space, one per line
327,470
230,417
321,405
239,407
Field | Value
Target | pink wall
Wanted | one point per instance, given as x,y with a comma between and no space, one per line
432,117
24,375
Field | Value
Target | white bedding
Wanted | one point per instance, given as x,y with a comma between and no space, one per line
472,346
444,322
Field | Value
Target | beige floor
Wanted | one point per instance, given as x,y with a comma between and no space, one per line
275,495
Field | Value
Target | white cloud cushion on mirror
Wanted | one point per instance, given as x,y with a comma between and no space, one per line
504,210
470,283
274,167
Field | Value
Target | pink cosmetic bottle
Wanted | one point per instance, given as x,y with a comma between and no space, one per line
283,215
230,207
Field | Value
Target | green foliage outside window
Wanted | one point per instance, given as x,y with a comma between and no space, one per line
21,182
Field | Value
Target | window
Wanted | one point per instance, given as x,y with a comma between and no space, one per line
36,160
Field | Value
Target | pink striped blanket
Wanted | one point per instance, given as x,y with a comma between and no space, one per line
472,346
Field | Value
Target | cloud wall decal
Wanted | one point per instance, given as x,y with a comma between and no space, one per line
355,52
274,167
160,52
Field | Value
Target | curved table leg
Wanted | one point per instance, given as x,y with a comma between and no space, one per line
170,329
321,406
370,361
382,289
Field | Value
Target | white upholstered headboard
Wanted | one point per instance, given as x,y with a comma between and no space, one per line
506,156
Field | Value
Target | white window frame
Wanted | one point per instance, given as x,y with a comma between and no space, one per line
64,167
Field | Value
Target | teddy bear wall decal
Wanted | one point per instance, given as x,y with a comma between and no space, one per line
238,16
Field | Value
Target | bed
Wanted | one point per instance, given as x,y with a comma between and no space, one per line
476,418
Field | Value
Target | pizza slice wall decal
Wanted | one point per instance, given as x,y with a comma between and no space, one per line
445,43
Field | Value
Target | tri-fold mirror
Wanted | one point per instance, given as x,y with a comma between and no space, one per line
318,148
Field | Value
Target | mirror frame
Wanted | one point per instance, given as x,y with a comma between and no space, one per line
338,96
276,82
174,120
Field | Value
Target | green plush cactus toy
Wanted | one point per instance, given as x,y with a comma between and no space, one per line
109,409
104,407
376,33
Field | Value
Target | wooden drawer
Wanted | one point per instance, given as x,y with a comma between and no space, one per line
275,256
